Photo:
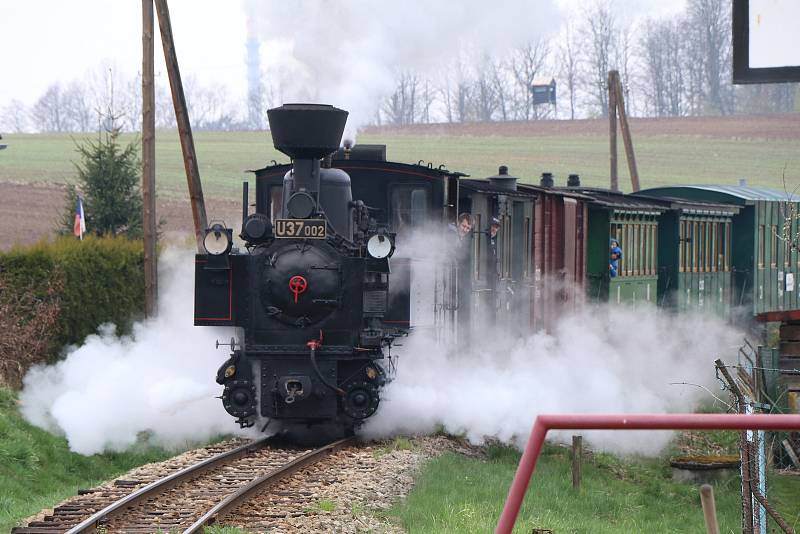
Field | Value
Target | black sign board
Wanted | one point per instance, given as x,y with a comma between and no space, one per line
544,93
300,228
766,43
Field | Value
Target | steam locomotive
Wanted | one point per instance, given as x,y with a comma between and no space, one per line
309,291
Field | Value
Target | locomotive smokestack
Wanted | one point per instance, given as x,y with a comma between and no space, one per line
306,133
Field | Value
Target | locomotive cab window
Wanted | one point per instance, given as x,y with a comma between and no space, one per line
409,206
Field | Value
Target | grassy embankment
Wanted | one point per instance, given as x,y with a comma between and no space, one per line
458,494
37,470
225,156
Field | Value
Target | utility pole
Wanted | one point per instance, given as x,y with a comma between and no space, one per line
184,128
626,132
616,105
612,131
149,163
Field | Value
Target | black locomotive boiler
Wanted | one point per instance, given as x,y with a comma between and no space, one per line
308,293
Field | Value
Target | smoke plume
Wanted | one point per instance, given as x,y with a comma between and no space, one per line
156,384
350,52
602,359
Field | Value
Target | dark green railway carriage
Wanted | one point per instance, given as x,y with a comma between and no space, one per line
694,256
633,222
764,267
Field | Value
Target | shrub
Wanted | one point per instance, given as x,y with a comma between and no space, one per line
55,293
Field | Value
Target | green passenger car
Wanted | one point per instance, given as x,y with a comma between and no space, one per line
694,257
633,223
764,265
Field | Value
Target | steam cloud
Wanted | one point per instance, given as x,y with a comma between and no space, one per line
157,384
601,359
349,52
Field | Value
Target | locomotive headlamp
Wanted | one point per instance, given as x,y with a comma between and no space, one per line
380,246
217,240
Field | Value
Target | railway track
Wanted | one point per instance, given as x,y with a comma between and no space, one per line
184,499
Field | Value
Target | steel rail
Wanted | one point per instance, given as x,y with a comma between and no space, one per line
242,494
159,486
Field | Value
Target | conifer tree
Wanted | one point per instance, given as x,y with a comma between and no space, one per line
108,183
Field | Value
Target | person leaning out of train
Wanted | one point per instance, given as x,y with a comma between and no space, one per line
463,226
615,254
463,232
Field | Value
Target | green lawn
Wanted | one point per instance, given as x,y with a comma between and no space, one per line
37,470
224,157
456,494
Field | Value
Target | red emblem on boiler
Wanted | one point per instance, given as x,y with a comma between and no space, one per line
297,285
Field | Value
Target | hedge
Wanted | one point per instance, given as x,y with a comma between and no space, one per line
76,285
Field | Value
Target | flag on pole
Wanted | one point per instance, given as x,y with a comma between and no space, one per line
79,227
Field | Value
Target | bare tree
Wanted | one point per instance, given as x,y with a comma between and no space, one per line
526,64
569,65
400,106
78,112
711,25
485,90
502,81
599,39
664,58
48,112
14,116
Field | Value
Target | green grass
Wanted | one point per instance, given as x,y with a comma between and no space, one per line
223,158
37,470
459,494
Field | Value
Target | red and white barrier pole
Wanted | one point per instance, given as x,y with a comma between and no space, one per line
544,423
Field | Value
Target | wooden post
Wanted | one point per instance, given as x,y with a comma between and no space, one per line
184,128
577,457
709,509
149,163
612,130
626,133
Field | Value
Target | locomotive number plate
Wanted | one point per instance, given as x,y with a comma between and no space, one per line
300,228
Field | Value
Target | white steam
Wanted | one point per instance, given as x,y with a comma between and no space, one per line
603,359
350,52
157,383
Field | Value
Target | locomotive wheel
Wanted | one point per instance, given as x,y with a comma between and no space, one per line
360,400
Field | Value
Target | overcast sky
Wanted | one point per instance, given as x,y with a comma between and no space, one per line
47,41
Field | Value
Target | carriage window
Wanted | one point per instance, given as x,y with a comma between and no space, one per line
275,202
527,246
518,235
727,252
773,259
762,245
682,246
409,208
695,246
476,246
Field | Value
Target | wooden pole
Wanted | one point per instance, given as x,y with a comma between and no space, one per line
612,130
149,163
626,133
709,509
577,457
184,128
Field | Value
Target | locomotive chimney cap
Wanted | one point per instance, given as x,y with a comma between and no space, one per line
306,131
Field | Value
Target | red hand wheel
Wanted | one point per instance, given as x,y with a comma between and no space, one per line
297,285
